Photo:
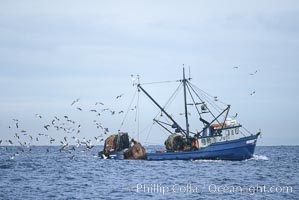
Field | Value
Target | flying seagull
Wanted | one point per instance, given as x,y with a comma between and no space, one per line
236,115
251,74
39,116
72,157
75,101
119,96
47,127
252,94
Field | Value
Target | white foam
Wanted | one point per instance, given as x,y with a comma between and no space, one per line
259,157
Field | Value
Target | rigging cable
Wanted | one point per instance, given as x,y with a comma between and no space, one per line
208,94
193,100
150,83
169,101
122,123
201,100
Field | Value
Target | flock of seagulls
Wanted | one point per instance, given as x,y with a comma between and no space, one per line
68,128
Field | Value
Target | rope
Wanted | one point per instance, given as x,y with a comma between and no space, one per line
150,83
122,123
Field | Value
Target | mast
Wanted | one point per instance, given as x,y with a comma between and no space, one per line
185,102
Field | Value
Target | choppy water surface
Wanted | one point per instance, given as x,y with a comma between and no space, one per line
271,174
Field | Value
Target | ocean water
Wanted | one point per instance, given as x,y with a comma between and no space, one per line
271,174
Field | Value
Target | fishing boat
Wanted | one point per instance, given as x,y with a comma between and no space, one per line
220,135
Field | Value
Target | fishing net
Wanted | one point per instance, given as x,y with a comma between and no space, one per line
135,152
175,142
110,144
116,142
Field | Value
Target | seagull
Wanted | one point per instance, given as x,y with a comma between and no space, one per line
73,148
23,131
13,156
39,116
79,108
236,115
0,141
112,112
72,157
93,110
47,127
100,126
120,112
66,117
106,130
17,124
98,138
119,96
215,98
251,74
99,103
52,140
252,94
133,108
65,145
236,67
21,144
31,138
53,122
75,101
10,142
57,118
17,136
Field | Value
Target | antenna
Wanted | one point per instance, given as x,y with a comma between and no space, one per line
189,73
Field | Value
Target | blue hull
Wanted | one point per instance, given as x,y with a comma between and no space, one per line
239,149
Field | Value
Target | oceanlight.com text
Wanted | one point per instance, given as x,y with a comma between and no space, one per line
211,188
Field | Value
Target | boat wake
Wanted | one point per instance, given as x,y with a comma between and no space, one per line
259,157
204,160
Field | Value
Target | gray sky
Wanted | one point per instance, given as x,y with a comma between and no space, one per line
53,52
